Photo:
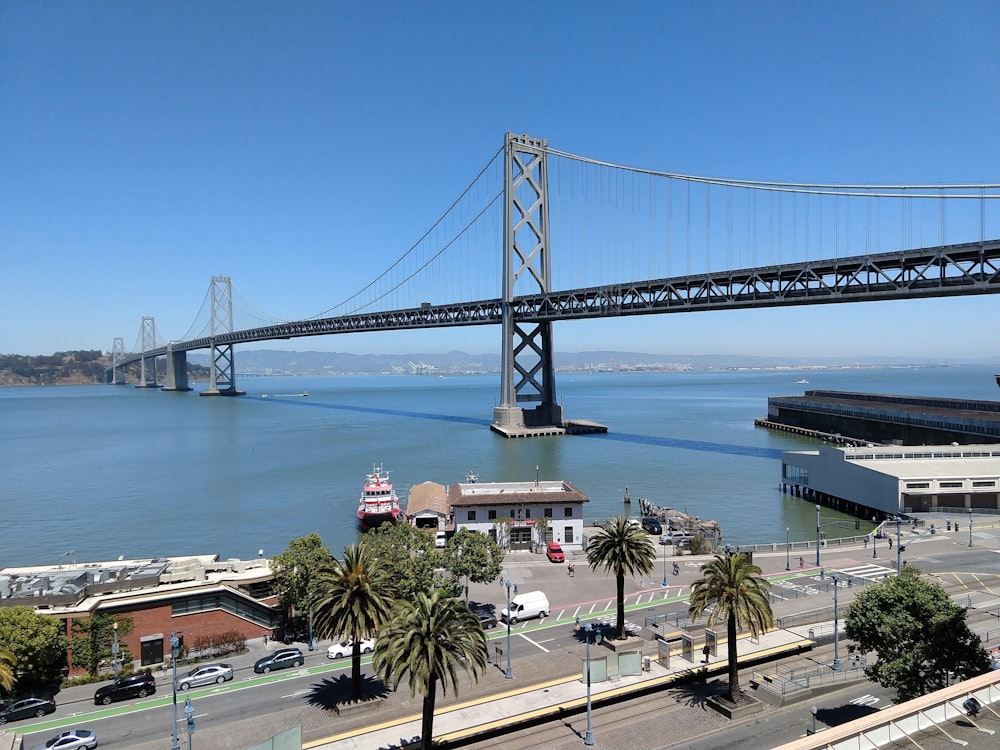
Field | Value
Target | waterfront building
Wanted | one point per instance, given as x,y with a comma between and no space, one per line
427,506
888,480
197,597
482,507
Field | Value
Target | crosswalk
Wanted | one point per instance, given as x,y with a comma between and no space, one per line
869,572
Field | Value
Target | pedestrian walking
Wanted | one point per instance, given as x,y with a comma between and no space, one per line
866,542
890,542
677,569
706,651
802,563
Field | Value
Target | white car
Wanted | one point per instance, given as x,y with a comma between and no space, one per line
74,739
344,649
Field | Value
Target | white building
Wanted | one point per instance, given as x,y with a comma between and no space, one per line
482,506
897,479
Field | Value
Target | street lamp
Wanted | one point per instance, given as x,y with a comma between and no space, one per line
189,713
836,626
114,652
588,738
664,565
310,626
509,674
817,535
874,538
970,527
787,564
175,648
899,548
813,711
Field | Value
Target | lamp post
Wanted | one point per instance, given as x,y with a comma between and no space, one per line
787,563
114,651
509,674
817,535
970,527
836,626
310,626
175,648
588,738
899,548
664,565
813,711
874,538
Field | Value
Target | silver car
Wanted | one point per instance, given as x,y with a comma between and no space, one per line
206,674
75,739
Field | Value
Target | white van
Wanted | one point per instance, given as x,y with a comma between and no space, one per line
525,606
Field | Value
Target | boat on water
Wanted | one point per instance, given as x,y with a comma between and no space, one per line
378,503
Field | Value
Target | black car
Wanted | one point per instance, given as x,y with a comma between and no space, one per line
25,709
487,616
134,686
280,659
652,525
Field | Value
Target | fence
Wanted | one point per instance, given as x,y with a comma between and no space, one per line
784,680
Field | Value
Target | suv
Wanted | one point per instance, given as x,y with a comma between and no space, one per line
134,686
283,657
554,552
206,674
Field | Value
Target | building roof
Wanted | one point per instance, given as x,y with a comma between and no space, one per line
514,493
428,497
921,461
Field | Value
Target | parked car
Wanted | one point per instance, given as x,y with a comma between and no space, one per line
206,674
134,686
554,552
74,739
280,659
487,618
676,538
346,648
25,709
441,539
652,525
525,606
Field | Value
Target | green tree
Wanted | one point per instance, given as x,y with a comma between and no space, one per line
621,548
353,599
427,640
473,556
541,530
38,643
92,640
7,663
918,632
408,557
296,567
731,590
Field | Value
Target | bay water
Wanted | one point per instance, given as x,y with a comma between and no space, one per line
89,473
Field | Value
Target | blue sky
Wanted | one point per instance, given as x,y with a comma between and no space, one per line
301,147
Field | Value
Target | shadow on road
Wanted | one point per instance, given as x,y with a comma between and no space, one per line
334,693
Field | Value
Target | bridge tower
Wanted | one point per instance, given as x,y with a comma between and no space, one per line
147,378
117,355
222,369
526,367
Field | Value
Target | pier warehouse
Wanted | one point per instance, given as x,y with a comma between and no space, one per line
888,480
482,506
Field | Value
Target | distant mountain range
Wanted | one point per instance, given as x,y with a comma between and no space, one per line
278,362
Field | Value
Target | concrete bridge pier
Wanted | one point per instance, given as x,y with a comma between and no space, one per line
176,379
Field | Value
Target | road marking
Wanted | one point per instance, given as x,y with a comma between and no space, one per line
865,700
297,692
534,643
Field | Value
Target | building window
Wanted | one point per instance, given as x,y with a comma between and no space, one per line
472,515
491,514
527,512
983,483
568,534
548,512
952,484
567,512
918,485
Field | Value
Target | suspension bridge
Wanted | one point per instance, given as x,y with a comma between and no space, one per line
541,236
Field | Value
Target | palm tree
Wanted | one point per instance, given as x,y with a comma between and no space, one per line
427,640
7,664
353,598
621,547
733,591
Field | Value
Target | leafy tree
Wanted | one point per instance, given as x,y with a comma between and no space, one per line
427,640
7,663
92,640
541,529
353,599
621,547
295,569
473,556
37,642
408,557
501,528
919,633
731,590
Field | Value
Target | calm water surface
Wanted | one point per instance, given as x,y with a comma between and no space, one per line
93,472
